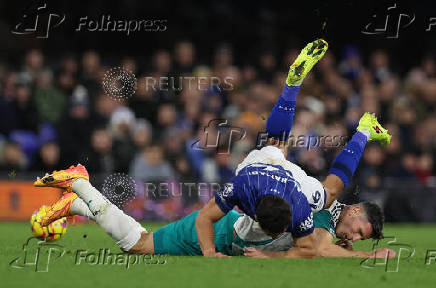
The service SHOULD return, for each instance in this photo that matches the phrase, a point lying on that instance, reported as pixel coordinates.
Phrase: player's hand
(384, 253)
(253, 252)
(214, 254)
(345, 244)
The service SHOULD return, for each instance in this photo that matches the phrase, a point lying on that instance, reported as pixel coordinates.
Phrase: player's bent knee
(144, 245)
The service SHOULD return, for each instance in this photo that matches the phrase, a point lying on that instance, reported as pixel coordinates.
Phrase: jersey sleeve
(227, 198)
(314, 192)
(305, 227)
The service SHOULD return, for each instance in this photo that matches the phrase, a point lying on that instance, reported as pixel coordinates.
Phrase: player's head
(360, 221)
(273, 214)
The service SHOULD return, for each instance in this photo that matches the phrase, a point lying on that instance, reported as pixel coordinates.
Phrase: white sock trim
(131, 239)
(366, 133)
(122, 228)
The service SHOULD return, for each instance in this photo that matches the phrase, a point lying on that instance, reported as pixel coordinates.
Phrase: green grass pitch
(202, 272)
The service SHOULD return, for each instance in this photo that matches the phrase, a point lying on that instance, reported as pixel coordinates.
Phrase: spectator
(122, 123)
(26, 117)
(184, 54)
(142, 134)
(14, 159)
(75, 128)
(150, 165)
(48, 158)
(50, 102)
(166, 132)
(166, 118)
(100, 158)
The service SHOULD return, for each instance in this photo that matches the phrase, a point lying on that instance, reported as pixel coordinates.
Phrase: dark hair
(273, 214)
(376, 217)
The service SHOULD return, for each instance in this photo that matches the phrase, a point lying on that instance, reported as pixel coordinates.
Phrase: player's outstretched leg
(176, 238)
(122, 228)
(346, 162)
(279, 123)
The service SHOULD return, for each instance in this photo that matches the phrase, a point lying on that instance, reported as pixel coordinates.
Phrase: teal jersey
(324, 219)
(328, 218)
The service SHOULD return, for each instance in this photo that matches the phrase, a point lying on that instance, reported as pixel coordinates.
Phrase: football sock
(79, 207)
(122, 228)
(347, 160)
(281, 118)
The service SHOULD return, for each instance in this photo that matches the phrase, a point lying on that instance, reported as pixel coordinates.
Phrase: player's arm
(326, 248)
(208, 215)
(220, 205)
(304, 247)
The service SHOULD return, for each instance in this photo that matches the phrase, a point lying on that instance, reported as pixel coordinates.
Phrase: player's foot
(63, 178)
(377, 132)
(59, 209)
(308, 57)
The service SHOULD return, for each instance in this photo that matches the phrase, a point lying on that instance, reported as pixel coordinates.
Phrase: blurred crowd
(54, 113)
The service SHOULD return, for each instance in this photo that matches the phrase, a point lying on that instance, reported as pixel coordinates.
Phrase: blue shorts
(180, 237)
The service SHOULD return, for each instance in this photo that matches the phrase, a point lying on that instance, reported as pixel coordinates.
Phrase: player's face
(353, 226)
